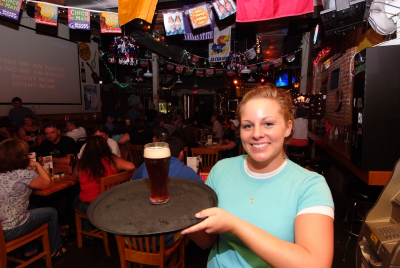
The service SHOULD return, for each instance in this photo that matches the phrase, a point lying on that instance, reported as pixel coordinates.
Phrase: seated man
(217, 130)
(176, 167)
(75, 132)
(102, 131)
(60, 147)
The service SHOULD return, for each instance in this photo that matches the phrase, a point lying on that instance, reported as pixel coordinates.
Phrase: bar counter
(341, 151)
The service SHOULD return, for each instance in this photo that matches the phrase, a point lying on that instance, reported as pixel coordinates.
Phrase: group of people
(271, 212)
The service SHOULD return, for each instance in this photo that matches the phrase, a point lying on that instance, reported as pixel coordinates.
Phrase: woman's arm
(122, 164)
(21, 133)
(42, 181)
(124, 138)
(313, 245)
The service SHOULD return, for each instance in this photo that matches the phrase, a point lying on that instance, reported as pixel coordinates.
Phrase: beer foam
(157, 152)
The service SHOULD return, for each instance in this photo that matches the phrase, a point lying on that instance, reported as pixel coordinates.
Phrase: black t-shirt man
(64, 147)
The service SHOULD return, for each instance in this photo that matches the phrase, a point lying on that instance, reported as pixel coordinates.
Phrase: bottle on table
(72, 163)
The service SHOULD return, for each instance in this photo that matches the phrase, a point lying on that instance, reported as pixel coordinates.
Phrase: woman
(119, 130)
(231, 141)
(28, 128)
(272, 212)
(139, 135)
(96, 162)
(17, 182)
(300, 129)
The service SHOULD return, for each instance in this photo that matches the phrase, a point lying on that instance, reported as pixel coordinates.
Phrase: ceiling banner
(219, 72)
(220, 48)
(200, 72)
(170, 66)
(46, 14)
(265, 65)
(209, 72)
(199, 16)
(253, 68)
(277, 62)
(173, 23)
(109, 22)
(189, 70)
(179, 69)
(204, 33)
(78, 19)
(224, 8)
(10, 8)
(129, 10)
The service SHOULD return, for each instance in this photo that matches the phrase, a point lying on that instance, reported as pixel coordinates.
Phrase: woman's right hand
(33, 164)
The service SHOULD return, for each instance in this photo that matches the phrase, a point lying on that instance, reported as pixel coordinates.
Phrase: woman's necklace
(251, 200)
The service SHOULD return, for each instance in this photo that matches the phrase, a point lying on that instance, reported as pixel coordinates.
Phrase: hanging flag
(10, 8)
(251, 53)
(129, 10)
(230, 72)
(253, 68)
(290, 58)
(170, 66)
(144, 63)
(265, 65)
(224, 8)
(189, 70)
(209, 72)
(78, 19)
(220, 48)
(179, 69)
(201, 34)
(219, 72)
(46, 14)
(109, 23)
(277, 62)
(160, 61)
(200, 72)
(199, 16)
(257, 10)
(173, 23)
(195, 59)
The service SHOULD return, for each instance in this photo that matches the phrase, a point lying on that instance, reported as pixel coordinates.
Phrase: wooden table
(341, 151)
(57, 184)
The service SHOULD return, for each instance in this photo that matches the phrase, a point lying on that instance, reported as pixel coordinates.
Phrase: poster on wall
(109, 22)
(173, 23)
(224, 8)
(203, 33)
(199, 16)
(78, 19)
(220, 48)
(90, 97)
(46, 14)
(10, 8)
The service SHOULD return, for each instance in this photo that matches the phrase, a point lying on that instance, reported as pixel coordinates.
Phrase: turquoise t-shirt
(277, 200)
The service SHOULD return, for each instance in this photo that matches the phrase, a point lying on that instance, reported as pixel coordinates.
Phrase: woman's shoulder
(229, 163)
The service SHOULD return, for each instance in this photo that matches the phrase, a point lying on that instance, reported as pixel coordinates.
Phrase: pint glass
(157, 157)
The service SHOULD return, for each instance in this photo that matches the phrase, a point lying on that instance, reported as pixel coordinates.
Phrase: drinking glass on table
(157, 157)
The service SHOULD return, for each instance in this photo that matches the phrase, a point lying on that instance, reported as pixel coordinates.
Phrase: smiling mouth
(262, 145)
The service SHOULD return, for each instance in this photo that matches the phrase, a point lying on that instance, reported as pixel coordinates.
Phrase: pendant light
(178, 81)
(148, 74)
(251, 79)
(245, 70)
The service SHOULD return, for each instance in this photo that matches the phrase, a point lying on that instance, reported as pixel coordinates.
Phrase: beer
(157, 157)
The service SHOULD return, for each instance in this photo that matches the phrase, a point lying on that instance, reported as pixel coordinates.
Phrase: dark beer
(157, 157)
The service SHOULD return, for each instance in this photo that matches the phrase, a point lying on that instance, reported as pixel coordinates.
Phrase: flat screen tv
(283, 79)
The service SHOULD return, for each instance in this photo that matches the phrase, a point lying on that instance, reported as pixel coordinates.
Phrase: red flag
(230, 73)
(170, 66)
(195, 59)
(265, 65)
(143, 63)
(179, 69)
(277, 62)
(199, 72)
(271, 9)
(209, 72)
(219, 72)
(189, 70)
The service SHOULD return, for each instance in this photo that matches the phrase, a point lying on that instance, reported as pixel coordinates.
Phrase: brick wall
(341, 57)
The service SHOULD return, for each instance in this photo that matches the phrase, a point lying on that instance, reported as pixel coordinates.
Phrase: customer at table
(231, 141)
(17, 114)
(158, 126)
(150, 115)
(28, 128)
(7, 130)
(59, 147)
(102, 131)
(300, 129)
(74, 131)
(41, 136)
(176, 166)
(271, 212)
(134, 113)
(17, 181)
(119, 130)
(96, 161)
(138, 135)
(190, 135)
(217, 130)
(168, 124)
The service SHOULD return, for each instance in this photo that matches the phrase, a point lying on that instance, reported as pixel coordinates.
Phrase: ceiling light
(148, 74)
(178, 81)
(251, 79)
(245, 70)
(195, 85)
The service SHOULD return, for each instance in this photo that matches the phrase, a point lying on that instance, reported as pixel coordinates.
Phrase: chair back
(185, 154)
(136, 154)
(140, 250)
(209, 157)
(124, 154)
(114, 180)
(79, 143)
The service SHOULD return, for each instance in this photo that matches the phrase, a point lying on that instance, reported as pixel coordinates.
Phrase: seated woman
(139, 135)
(96, 162)
(28, 128)
(300, 129)
(119, 130)
(17, 182)
(231, 140)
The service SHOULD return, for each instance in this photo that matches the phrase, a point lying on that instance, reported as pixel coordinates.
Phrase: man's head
(176, 145)
(52, 133)
(213, 119)
(152, 106)
(179, 118)
(71, 125)
(102, 131)
(17, 103)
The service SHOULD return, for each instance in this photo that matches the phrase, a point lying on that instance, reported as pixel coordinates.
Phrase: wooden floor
(93, 256)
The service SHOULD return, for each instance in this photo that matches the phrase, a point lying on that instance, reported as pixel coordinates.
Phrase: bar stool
(357, 193)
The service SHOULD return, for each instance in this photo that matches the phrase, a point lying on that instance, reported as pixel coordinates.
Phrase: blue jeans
(38, 217)
(83, 207)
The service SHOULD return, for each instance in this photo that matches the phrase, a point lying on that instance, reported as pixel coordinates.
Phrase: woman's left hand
(218, 221)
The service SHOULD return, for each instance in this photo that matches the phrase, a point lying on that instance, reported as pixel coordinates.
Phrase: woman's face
(262, 131)
(28, 122)
(128, 122)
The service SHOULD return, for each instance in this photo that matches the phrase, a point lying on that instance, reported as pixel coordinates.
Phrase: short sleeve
(314, 192)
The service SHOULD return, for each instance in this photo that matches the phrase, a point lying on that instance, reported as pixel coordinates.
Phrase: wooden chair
(105, 184)
(136, 154)
(6, 247)
(209, 157)
(140, 252)
(185, 154)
